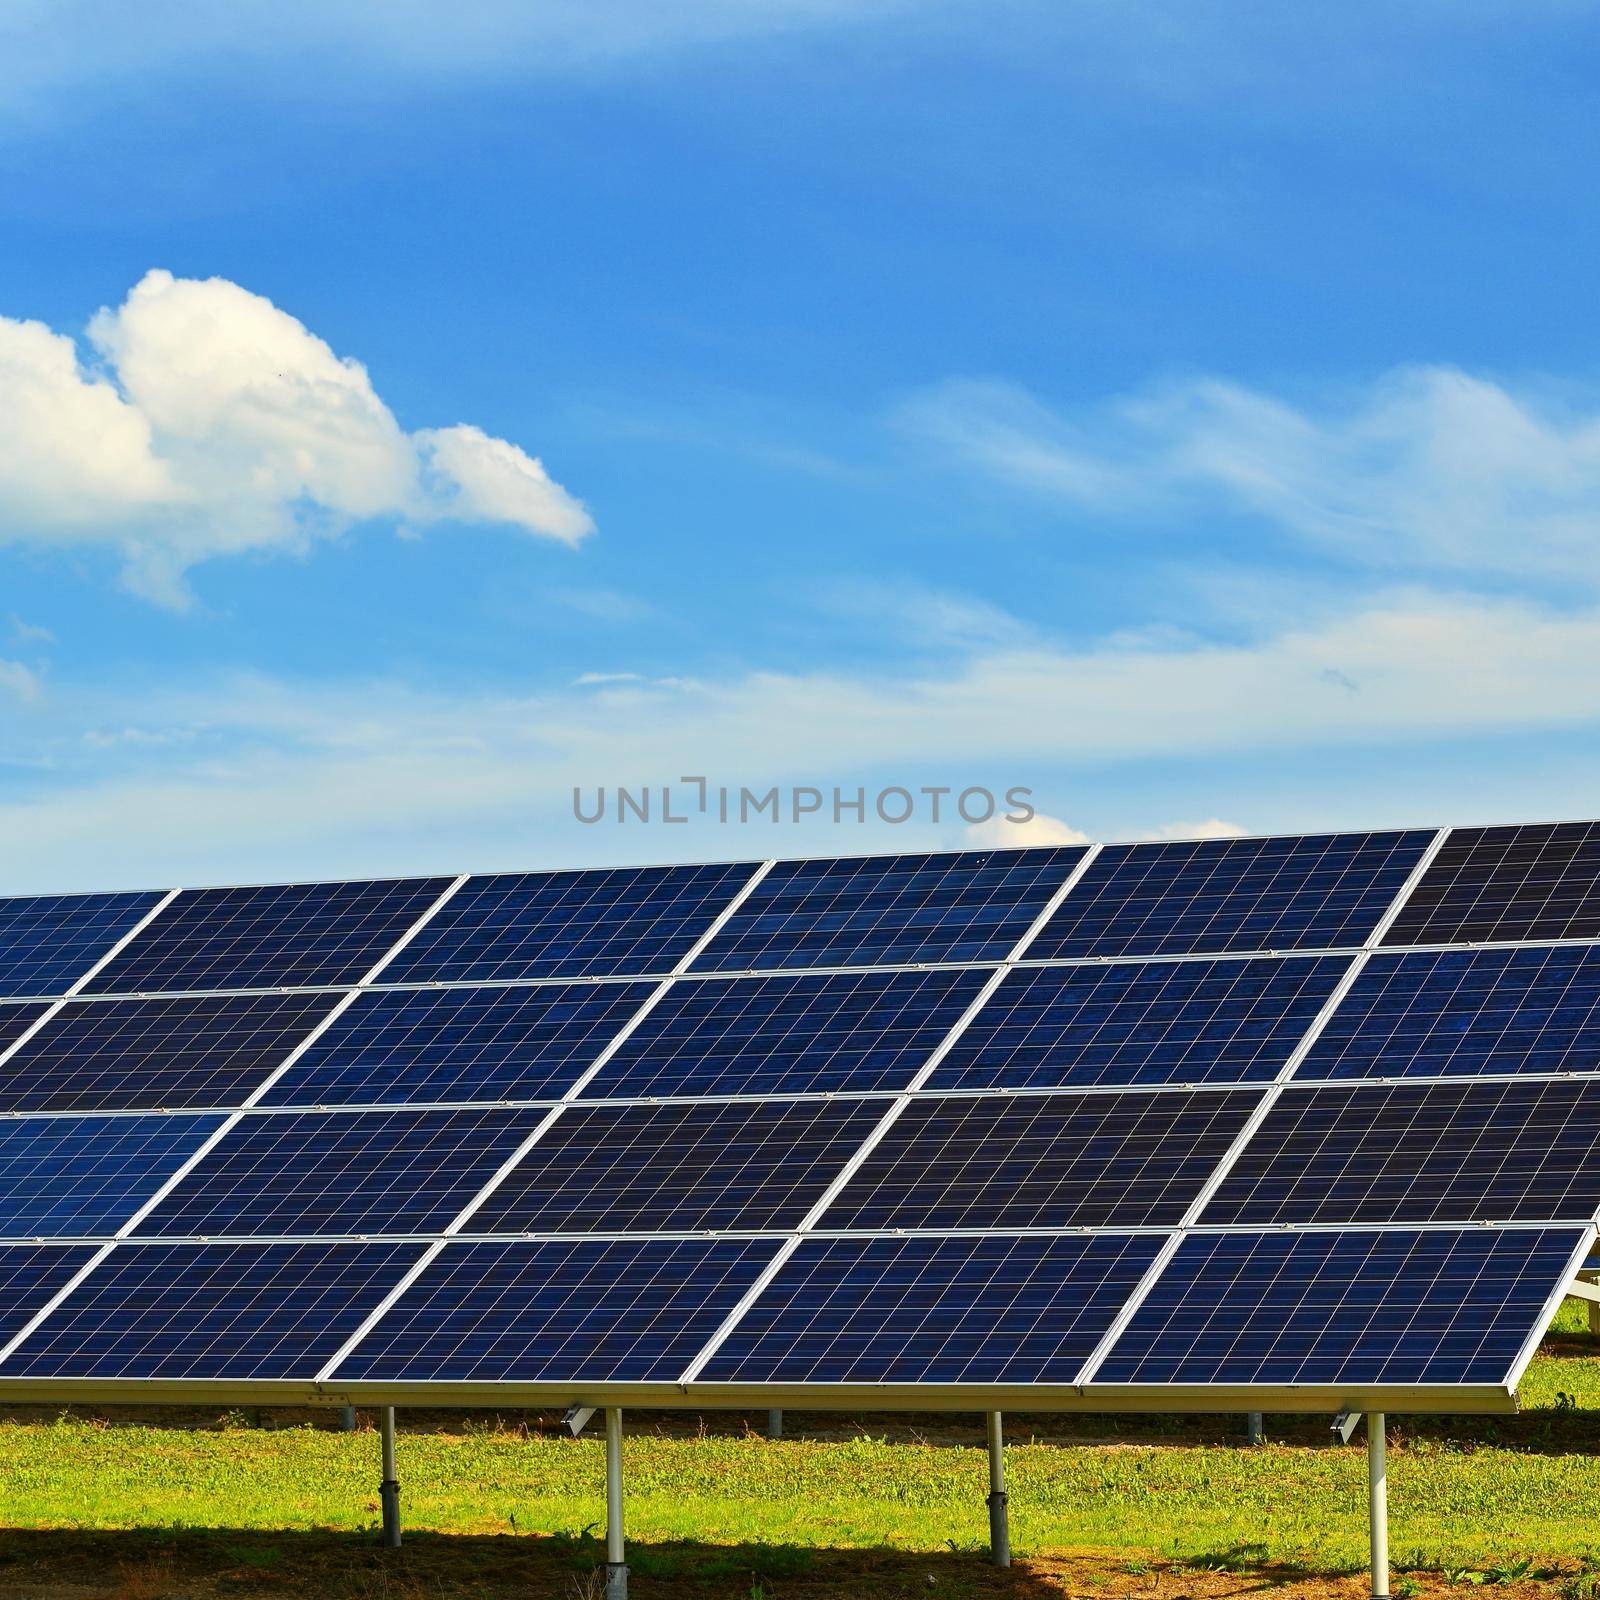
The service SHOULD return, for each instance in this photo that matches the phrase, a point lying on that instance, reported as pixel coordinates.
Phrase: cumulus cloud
(214, 423)
(1426, 466)
(997, 833)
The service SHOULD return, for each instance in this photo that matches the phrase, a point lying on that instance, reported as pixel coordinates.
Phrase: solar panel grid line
(1552, 1305)
(890, 1117)
(1230, 1158)
(210, 1143)
(507, 1167)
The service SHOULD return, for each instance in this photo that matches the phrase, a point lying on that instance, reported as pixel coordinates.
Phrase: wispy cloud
(215, 423)
(1426, 467)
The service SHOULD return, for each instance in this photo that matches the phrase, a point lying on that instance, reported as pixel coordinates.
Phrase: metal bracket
(1345, 1425)
(577, 1419)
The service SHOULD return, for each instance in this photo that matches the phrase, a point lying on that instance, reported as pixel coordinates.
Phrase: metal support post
(774, 1424)
(999, 1522)
(347, 1418)
(616, 1564)
(1378, 1505)
(1252, 1424)
(389, 1489)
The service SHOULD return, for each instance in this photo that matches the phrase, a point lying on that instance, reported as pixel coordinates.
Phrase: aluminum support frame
(616, 1559)
(999, 1516)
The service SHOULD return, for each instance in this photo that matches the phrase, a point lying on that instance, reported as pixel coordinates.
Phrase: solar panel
(1537, 882)
(139, 1055)
(1043, 1161)
(632, 1311)
(1140, 1023)
(679, 1167)
(627, 921)
(950, 1128)
(881, 910)
(809, 1033)
(274, 936)
(370, 1172)
(1403, 1307)
(48, 942)
(29, 1275)
(209, 1311)
(931, 1310)
(1500, 1151)
(1322, 891)
(489, 1043)
(1452, 1012)
(65, 1177)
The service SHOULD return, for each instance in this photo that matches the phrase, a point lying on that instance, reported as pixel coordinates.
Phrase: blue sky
(1188, 411)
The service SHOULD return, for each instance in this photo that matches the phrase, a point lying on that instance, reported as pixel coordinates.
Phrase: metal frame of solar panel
(1290, 1123)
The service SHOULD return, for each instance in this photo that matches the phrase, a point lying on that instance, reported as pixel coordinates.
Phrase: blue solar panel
(1459, 1012)
(874, 910)
(679, 1167)
(137, 1055)
(921, 1310)
(15, 1020)
(276, 936)
(1506, 1151)
(1343, 1308)
(1042, 1161)
(47, 943)
(213, 1311)
(1141, 1022)
(805, 1034)
(417, 1045)
(29, 1275)
(621, 922)
(1213, 896)
(581, 1311)
(1534, 882)
(63, 1177)
(373, 1172)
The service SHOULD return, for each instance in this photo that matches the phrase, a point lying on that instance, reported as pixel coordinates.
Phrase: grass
(1498, 1501)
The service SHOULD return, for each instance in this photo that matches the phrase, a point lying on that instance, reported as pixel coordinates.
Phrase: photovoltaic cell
(1042, 1161)
(15, 1020)
(275, 936)
(1140, 1022)
(578, 1311)
(235, 1311)
(876, 910)
(29, 1275)
(1343, 1308)
(921, 1310)
(71, 1176)
(372, 1172)
(479, 1043)
(1323, 891)
(1505, 1151)
(679, 1166)
(48, 942)
(137, 1055)
(622, 922)
(1535, 882)
(809, 1033)
(1458, 1012)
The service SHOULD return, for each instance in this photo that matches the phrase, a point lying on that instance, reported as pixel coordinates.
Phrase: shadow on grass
(177, 1564)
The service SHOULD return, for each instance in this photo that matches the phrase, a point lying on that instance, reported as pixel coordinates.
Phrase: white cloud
(220, 424)
(50, 45)
(17, 680)
(235, 777)
(997, 833)
(1427, 466)
(1211, 828)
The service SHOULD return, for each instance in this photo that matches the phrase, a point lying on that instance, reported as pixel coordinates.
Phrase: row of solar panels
(1207, 897)
(1435, 1153)
(1506, 1010)
(1451, 1308)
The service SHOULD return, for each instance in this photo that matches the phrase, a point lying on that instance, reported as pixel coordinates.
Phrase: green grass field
(1468, 1497)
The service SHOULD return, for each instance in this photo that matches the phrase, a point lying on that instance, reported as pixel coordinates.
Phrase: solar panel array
(1287, 1116)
